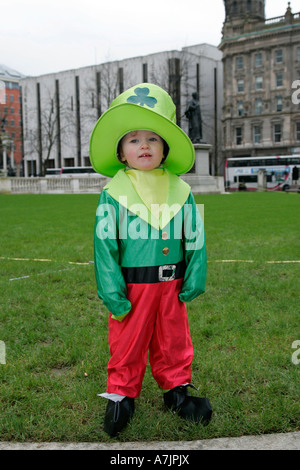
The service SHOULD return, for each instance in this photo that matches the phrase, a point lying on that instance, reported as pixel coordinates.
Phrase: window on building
(240, 86)
(121, 79)
(69, 162)
(278, 56)
(145, 73)
(174, 85)
(238, 136)
(198, 77)
(298, 74)
(258, 106)
(11, 98)
(279, 79)
(256, 134)
(240, 63)
(298, 131)
(258, 83)
(86, 161)
(77, 118)
(279, 103)
(98, 92)
(277, 133)
(298, 53)
(258, 60)
(240, 108)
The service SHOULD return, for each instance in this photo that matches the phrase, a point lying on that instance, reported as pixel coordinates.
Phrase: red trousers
(158, 324)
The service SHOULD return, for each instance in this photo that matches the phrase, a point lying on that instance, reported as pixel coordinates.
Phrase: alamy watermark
(296, 94)
(296, 354)
(187, 222)
(2, 353)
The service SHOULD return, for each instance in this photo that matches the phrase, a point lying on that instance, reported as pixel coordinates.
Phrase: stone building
(261, 65)
(60, 109)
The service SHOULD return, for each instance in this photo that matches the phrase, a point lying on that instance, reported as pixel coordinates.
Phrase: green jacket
(127, 235)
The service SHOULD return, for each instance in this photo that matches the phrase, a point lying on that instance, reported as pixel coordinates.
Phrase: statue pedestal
(202, 159)
(200, 180)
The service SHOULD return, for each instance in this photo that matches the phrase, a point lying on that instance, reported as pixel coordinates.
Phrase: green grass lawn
(55, 329)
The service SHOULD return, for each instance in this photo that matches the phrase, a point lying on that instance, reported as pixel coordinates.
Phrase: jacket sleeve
(194, 252)
(111, 286)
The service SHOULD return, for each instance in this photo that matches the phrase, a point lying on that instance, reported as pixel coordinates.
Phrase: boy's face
(142, 150)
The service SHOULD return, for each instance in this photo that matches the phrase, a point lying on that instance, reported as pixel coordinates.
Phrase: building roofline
(116, 61)
(259, 32)
(10, 75)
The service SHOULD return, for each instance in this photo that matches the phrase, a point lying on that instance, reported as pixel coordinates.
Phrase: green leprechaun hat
(142, 107)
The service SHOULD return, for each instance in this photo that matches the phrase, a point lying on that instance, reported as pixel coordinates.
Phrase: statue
(193, 113)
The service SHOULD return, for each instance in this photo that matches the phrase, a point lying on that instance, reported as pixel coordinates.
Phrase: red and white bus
(242, 173)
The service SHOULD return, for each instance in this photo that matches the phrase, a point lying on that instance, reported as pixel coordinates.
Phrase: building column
(12, 161)
(4, 159)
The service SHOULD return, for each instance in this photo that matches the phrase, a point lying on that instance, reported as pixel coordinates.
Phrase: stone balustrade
(199, 179)
(59, 185)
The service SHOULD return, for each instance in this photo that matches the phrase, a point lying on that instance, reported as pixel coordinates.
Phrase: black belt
(152, 274)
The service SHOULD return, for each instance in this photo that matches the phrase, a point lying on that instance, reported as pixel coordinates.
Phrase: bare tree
(109, 83)
(50, 130)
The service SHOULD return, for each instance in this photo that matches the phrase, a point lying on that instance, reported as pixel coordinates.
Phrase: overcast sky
(45, 36)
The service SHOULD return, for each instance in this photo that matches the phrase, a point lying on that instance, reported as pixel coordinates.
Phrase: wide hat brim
(126, 117)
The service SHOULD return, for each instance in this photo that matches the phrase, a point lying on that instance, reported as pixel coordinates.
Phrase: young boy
(150, 254)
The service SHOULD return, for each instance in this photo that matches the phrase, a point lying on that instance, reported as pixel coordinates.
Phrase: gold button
(166, 250)
(164, 236)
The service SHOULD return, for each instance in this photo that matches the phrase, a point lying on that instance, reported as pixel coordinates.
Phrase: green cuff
(119, 317)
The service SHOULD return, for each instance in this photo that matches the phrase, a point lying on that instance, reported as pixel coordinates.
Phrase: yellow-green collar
(122, 190)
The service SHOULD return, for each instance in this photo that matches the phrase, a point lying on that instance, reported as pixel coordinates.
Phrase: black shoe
(196, 409)
(118, 415)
